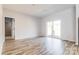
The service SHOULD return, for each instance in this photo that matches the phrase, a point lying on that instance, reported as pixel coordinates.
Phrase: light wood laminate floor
(40, 46)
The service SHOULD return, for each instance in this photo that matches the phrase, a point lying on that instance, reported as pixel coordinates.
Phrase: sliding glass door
(53, 28)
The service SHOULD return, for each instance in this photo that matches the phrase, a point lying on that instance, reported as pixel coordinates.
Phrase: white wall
(1, 29)
(77, 16)
(25, 26)
(67, 18)
(39, 23)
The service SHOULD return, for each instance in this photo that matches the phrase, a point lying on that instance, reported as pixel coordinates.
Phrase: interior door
(8, 26)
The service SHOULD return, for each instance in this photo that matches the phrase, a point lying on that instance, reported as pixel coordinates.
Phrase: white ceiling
(37, 10)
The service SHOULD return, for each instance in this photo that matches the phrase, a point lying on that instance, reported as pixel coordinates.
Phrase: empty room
(39, 29)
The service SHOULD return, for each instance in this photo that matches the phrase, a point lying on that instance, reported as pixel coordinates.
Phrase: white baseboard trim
(26, 38)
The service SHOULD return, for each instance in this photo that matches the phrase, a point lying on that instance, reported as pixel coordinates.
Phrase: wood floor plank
(40, 46)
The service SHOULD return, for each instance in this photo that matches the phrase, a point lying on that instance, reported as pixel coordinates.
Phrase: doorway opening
(9, 28)
(53, 28)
